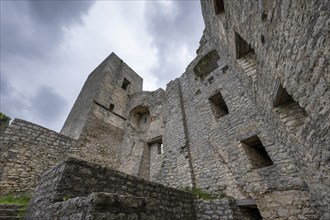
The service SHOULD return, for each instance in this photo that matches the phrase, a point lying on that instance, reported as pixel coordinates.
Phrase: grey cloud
(58, 13)
(11, 102)
(34, 28)
(170, 31)
(48, 105)
(30, 32)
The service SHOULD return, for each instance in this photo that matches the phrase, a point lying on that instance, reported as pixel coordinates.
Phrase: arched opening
(140, 118)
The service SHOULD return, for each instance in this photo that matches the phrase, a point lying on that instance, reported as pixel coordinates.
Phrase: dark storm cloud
(34, 28)
(173, 30)
(30, 32)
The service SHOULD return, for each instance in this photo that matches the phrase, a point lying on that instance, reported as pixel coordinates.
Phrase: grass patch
(199, 193)
(11, 199)
(14, 199)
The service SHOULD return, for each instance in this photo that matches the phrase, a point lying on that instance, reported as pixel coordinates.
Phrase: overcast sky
(48, 48)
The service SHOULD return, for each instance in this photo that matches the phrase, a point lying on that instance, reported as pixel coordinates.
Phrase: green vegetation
(10, 199)
(14, 199)
(4, 118)
(66, 198)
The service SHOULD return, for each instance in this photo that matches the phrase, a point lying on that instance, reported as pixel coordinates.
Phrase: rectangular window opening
(125, 84)
(256, 152)
(160, 149)
(219, 6)
(292, 115)
(218, 105)
(242, 47)
(207, 64)
(112, 106)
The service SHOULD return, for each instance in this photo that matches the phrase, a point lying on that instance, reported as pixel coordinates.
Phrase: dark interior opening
(218, 105)
(219, 6)
(262, 39)
(292, 115)
(256, 152)
(207, 64)
(125, 84)
(251, 212)
(264, 17)
(112, 106)
(282, 97)
(242, 47)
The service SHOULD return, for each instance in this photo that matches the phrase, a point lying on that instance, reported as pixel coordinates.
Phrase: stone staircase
(9, 212)
(249, 64)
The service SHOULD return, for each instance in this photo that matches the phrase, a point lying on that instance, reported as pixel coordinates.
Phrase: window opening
(219, 6)
(112, 106)
(252, 212)
(160, 149)
(242, 47)
(207, 64)
(290, 112)
(218, 105)
(125, 84)
(246, 56)
(256, 152)
(262, 39)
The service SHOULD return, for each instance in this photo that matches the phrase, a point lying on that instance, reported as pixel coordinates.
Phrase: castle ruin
(249, 119)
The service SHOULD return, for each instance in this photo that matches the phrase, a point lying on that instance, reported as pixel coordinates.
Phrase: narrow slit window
(160, 149)
(219, 6)
(112, 106)
(256, 152)
(125, 84)
(218, 105)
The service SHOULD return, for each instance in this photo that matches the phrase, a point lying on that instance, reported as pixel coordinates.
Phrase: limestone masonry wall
(26, 151)
(69, 187)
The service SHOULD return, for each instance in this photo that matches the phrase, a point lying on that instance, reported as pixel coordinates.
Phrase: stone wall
(26, 151)
(282, 34)
(77, 117)
(145, 123)
(224, 209)
(175, 169)
(70, 189)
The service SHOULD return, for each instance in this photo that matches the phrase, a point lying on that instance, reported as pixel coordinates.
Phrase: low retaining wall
(72, 187)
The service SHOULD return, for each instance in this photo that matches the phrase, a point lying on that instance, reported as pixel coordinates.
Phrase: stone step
(10, 206)
(9, 218)
(9, 212)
